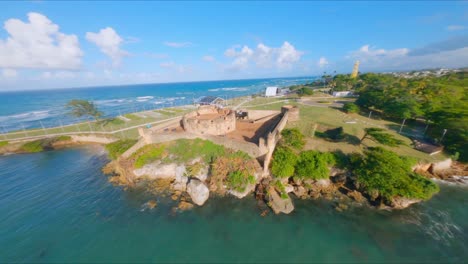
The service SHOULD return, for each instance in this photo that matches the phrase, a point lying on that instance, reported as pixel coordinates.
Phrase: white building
(342, 94)
(271, 91)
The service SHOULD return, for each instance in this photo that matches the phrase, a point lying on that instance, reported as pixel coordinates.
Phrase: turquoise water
(57, 206)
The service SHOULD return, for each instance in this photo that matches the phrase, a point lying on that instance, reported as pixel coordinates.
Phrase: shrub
(351, 108)
(305, 91)
(239, 180)
(293, 138)
(34, 146)
(284, 160)
(314, 165)
(148, 155)
(3, 143)
(117, 148)
(391, 175)
(62, 138)
(280, 187)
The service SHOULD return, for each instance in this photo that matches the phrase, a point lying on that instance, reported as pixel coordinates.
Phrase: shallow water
(58, 206)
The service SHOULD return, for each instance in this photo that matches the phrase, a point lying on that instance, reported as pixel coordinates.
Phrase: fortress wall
(223, 121)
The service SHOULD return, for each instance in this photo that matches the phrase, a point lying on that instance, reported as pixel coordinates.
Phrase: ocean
(34, 109)
(57, 206)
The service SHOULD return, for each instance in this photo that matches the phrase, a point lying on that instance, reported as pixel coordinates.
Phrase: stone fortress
(255, 132)
(210, 120)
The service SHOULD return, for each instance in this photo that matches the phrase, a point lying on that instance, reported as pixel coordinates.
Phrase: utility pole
(370, 114)
(24, 130)
(402, 124)
(61, 125)
(443, 135)
(45, 133)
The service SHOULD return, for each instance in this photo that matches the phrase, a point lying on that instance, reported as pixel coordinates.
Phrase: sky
(73, 44)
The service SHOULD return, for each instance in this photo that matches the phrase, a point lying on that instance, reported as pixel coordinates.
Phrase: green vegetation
(184, 150)
(441, 101)
(281, 189)
(304, 91)
(35, 146)
(284, 162)
(379, 136)
(116, 149)
(62, 138)
(3, 143)
(390, 175)
(80, 108)
(148, 154)
(238, 180)
(292, 137)
(351, 108)
(314, 165)
(133, 117)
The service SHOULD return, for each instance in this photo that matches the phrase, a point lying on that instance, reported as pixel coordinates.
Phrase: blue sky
(69, 44)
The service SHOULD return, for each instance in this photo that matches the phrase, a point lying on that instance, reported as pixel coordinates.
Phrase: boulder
(357, 196)
(198, 191)
(421, 167)
(203, 174)
(339, 178)
(250, 188)
(185, 206)
(288, 188)
(440, 166)
(157, 171)
(402, 202)
(300, 191)
(180, 181)
(279, 204)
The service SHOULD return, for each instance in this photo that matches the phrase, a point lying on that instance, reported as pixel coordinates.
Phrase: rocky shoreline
(195, 189)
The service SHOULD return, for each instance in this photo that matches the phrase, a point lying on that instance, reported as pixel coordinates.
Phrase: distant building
(342, 94)
(271, 91)
(211, 100)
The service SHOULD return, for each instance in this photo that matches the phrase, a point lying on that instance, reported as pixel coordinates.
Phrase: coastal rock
(250, 188)
(203, 174)
(151, 204)
(198, 191)
(440, 166)
(422, 167)
(180, 182)
(357, 196)
(300, 191)
(279, 204)
(339, 178)
(402, 202)
(288, 188)
(184, 206)
(157, 171)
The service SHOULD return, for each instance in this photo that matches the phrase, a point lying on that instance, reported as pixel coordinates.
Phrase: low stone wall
(92, 139)
(267, 144)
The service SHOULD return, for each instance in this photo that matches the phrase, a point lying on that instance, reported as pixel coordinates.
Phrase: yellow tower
(355, 70)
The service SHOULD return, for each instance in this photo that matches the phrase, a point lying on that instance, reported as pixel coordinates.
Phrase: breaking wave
(232, 89)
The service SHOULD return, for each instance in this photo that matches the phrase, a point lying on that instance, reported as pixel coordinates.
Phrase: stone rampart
(210, 120)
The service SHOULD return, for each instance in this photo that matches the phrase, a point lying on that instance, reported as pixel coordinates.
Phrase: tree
(390, 175)
(351, 108)
(377, 135)
(80, 108)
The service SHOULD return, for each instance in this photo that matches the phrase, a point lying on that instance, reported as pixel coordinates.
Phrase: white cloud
(9, 73)
(403, 58)
(38, 44)
(156, 55)
(48, 75)
(263, 56)
(322, 62)
(178, 44)
(177, 67)
(455, 27)
(208, 58)
(108, 42)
